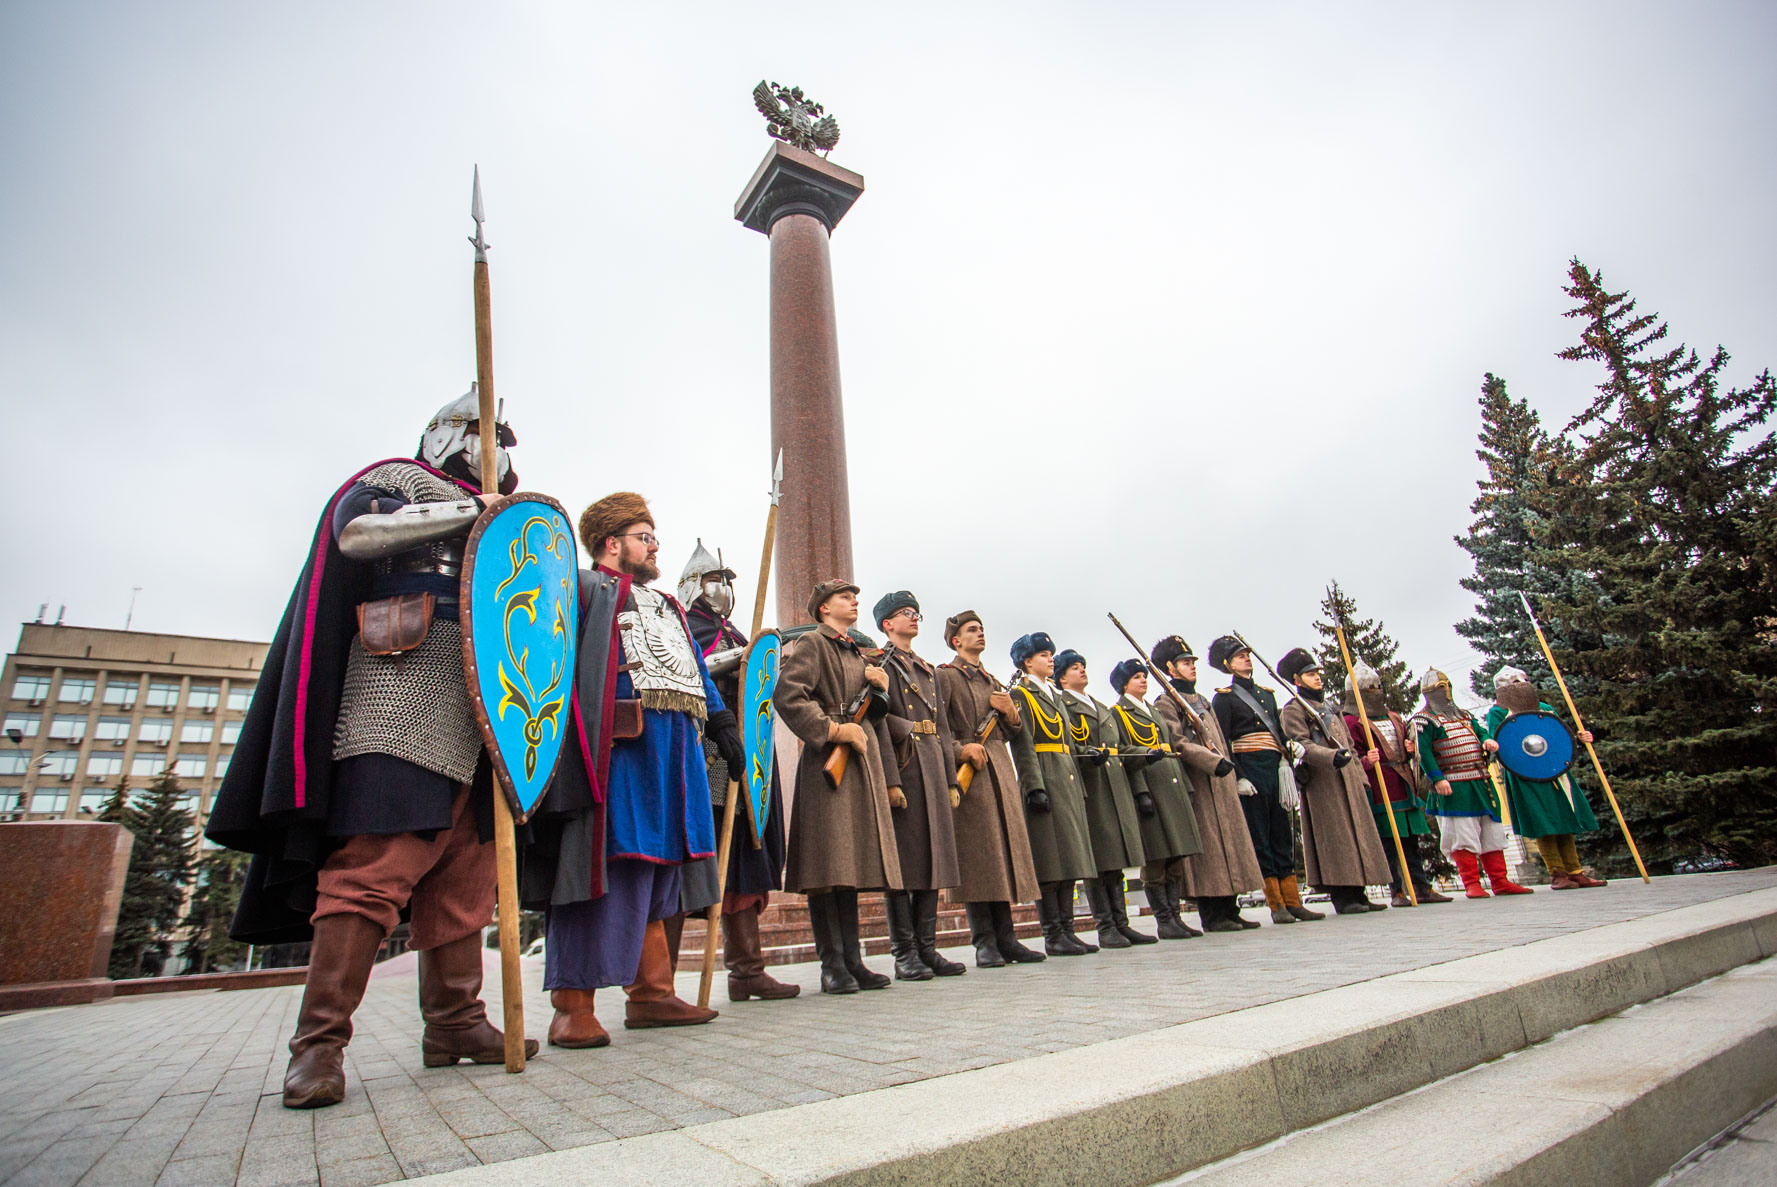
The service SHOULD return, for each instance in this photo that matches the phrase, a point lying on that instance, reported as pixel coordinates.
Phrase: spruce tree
(1368, 642)
(160, 870)
(1666, 506)
(220, 875)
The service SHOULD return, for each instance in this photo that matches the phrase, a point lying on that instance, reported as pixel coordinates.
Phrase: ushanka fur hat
(609, 516)
(1031, 644)
(1124, 672)
(1066, 660)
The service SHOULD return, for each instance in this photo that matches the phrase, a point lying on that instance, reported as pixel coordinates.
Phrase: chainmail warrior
(1548, 812)
(1393, 777)
(1453, 750)
(359, 783)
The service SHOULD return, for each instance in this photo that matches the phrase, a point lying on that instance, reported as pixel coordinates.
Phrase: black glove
(1036, 800)
(1341, 758)
(1097, 758)
(725, 732)
(1225, 767)
(1144, 806)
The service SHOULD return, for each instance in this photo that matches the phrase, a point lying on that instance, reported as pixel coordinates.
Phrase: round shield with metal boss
(1535, 746)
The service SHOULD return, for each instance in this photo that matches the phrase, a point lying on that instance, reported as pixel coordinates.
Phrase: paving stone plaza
(184, 1088)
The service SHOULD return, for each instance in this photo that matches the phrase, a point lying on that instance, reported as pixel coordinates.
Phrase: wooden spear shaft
(505, 841)
(1394, 828)
(1580, 727)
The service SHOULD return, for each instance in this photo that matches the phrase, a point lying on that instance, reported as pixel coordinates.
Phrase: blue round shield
(520, 609)
(1535, 746)
(758, 682)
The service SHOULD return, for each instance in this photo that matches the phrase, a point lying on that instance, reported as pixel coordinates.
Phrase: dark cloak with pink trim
(273, 801)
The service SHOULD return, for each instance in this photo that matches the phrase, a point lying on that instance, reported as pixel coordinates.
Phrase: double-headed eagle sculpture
(794, 119)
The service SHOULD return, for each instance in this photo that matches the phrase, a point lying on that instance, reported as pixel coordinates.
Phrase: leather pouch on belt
(626, 717)
(391, 626)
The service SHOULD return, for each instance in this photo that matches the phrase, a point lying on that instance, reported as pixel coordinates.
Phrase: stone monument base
(58, 910)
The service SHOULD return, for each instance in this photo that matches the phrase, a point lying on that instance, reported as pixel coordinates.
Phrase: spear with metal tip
(1580, 727)
(505, 844)
(1363, 714)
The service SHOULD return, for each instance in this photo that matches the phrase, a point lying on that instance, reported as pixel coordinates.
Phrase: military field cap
(956, 622)
(1124, 672)
(1295, 661)
(825, 590)
(892, 603)
(1168, 649)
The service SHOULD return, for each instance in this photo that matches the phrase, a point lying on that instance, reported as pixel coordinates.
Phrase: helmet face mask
(718, 591)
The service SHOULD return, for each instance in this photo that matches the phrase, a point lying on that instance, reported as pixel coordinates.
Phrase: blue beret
(1029, 645)
(1124, 672)
(1066, 660)
(892, 603)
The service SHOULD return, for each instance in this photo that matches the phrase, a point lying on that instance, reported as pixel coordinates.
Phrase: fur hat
(1029, 645)
(1066, 660)
(1168, 649)
(892, 603)
(609, 516)
(1224, 649)
(956, 622)
(1295, 661)
(1124, 672)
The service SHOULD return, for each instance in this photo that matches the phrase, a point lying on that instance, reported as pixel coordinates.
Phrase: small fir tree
(221, 873)
(160, 870)
(1368, 642)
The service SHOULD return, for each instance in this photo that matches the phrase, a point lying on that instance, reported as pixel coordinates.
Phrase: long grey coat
(1172, 831)
(925, 835)
(992, 845)
(838, 836)
(1227, 864)
(1060, 844)
(1111, 819)
(1339, 839)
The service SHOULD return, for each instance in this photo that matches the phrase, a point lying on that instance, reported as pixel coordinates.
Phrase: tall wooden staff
(1394, 829)
(505, 846)
(715, 913)
(1580, 727)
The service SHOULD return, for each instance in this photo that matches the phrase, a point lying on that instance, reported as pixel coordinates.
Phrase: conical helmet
(701, 565)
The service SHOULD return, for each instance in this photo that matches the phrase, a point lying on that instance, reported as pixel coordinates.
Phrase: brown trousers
(448, 880)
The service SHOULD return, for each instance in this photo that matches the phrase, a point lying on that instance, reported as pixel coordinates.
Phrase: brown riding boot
(675, 932)
(340, 959)
(574, 1024)
(450, 1002)
(745, 958)
(651, 998)
(1292, 900)
(1274, 900)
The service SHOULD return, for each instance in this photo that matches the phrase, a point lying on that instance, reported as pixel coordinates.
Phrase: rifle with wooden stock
(1160, 679)
(965, 773)
(855, 712)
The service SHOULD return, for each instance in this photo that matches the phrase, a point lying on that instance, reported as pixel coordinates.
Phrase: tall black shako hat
(1224, 649)
(1124, 672)
(892, 603)
(1028, 645)
(1066, 660)
(1295, 661)
(1168, 649)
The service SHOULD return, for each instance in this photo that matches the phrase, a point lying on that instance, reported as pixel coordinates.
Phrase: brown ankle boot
(651, 998)
(745, 958)
(450, 1002)
(340, 959)
(1274, 900)
(574, 1024)
(1292, 900)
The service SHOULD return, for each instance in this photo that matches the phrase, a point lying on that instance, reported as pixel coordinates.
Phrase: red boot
(1470, 871)
(1494, 862)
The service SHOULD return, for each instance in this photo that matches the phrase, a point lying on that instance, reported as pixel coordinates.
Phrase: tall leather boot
(575, 1025)
(1274, 900)
(340, 959)
(450, 1002)
(675, 932)
(981, 934)
(652, 1001)
(925, 933)
(1064, 910)
(745, 958)
(852, 944)
(1178, 910)
(829, 943)
(1468, 867)
(1168, 926)
(1119, 903)
(1494, 862)
(1108, 935)
(1046, 915)
(903, 942)
(1348, 900)
(1292, 900)
(1005, 934)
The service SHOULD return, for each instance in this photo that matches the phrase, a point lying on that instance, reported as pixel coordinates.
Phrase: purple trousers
(598, 944)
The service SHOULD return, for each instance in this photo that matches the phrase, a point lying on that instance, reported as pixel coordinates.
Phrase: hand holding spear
(1394, 829)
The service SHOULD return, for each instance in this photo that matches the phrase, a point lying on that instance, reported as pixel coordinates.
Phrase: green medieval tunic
(1172, 831)
(1111, 818)
(1060, 840)
(1553, 809)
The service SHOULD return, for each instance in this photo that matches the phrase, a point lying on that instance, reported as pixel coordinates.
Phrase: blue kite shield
(1535, 746)
(520, 613)
(758, 681)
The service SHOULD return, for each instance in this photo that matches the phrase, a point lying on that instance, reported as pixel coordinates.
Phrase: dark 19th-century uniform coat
(1227, 864)
(992, 844)
(1111, 818)
(1060, 844)
(925, 835)
(1339, 838)
(1172, 830)
(839, 837)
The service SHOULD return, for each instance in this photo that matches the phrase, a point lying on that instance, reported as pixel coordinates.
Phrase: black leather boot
(1119, 902)
(1178, 911)
(981, 934)
(925, 934)
(903, 941)
(1165, 922)
(1005, 934)
(823, 921)
(853, 945)
(1064, 910)
(1108, 935)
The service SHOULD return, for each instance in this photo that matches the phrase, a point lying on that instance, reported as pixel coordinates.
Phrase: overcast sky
(1174, 309)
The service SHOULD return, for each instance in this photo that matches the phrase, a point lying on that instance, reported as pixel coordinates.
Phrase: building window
(9, 799)
(147, 766)
(204, 698)
(27, 724)
(191, 766)
(120, 695)
(189, 802)
(14, 762)
(92, 800)
(239, 697)
(68, 727)
(50, 801)
(30, 687)
(231, 732)
(58, 763)
(196, 731)
(156, 729)
(162, 695)
(78, 688)
(222, 764)
(104, 766)
(112, 729)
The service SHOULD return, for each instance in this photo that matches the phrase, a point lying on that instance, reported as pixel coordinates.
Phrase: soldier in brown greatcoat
(841, 838)
(1227, 867)
(926, 758)
(992, 845)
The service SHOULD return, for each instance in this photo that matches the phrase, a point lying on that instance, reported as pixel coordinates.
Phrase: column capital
(791, 181)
